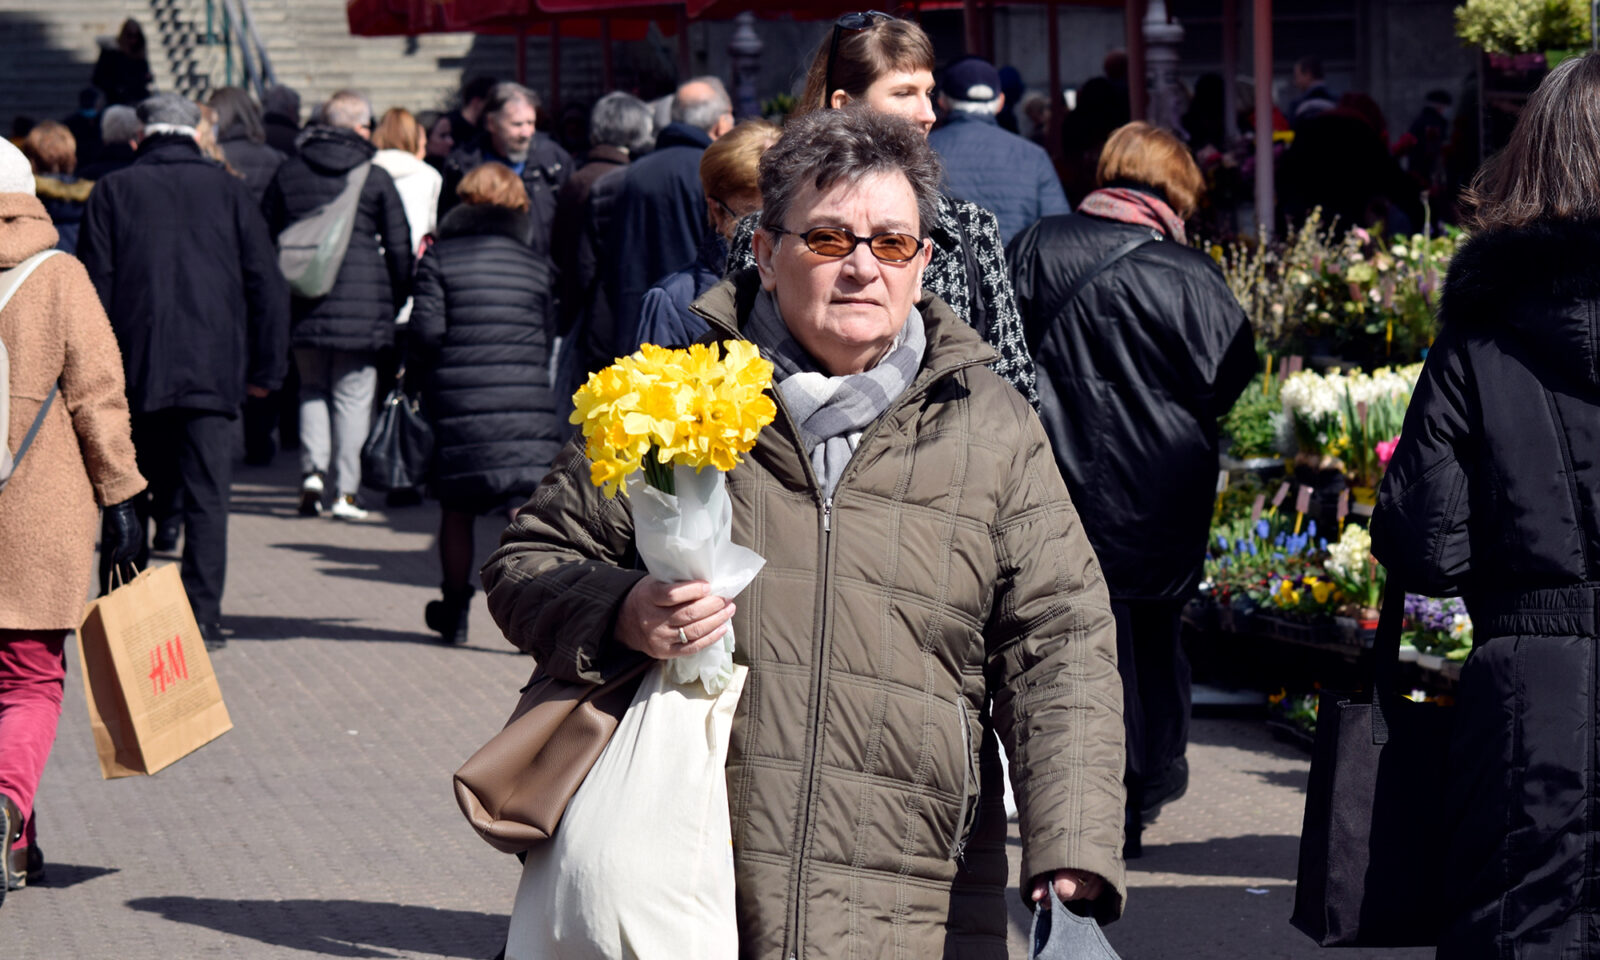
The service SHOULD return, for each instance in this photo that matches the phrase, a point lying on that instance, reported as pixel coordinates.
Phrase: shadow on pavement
(58, 876)
(1293, 779)
(246, 628)
(340, 928)
(411, 567)
(1265, 856)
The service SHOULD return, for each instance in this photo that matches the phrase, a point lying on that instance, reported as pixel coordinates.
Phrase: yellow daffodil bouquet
(652, 423)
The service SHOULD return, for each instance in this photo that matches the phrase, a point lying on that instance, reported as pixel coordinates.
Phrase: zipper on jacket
(819, 686)
(970, 779)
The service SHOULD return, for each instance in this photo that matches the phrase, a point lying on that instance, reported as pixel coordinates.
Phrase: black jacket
(1133, 375)
(256, 162)
(282, 133)
(574, 249)
(1494, 493)
(479, 346)
(659, 219)
(375, 278)
(123, 79)
(189, 275)
(543, 175)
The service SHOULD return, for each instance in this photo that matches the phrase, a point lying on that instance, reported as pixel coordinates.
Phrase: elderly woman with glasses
(922, 557)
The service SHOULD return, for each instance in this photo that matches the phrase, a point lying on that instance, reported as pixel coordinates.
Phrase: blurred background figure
(53, 155)
(729, 175)
(280, 116)
(85, 124)
(243, 138)
(123, 71)
(120, 131)
(479, 347)
(440, 140)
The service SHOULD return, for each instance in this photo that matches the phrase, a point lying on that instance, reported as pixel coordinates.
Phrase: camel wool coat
(55, 329)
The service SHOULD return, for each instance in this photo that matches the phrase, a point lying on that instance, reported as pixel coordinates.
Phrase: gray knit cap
(16, 173)
(169, 109)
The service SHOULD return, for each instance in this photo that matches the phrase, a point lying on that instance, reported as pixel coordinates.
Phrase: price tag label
(1302, 499)
(1277, 498)
(1257, 507)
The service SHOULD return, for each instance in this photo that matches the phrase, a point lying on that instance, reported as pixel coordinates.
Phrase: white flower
(1347, 559)
(1461, 628)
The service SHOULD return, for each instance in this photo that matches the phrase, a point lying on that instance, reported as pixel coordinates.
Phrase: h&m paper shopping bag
(153, 698)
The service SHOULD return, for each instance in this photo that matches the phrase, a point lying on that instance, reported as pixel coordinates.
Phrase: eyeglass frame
(855, 241)
(853, 23)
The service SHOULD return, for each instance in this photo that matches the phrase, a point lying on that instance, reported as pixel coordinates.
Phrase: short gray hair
(622, 120)
(825, 147)
(502, 94)
(119, 124)
(978, 108)
(347, 110)
(702, 114)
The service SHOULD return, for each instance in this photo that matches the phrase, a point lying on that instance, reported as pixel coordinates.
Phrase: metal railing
(234, 28)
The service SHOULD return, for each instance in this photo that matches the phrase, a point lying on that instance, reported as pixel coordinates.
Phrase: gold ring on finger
(683, 638)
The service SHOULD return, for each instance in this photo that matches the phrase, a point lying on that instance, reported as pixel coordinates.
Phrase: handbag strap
(1386, 656)
(1121, 251)
(10, 282)
(33, 431)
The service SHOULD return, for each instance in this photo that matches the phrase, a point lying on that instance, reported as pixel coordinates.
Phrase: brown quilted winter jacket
(949, 568)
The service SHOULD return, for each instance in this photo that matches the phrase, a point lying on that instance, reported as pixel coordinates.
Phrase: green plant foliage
(1523, 26)
(1253, 422)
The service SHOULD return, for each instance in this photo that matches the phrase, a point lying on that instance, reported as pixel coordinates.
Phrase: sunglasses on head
(837, 242)
(849, 23)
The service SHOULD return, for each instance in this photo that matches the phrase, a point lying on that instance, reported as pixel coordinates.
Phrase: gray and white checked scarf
(832, 412)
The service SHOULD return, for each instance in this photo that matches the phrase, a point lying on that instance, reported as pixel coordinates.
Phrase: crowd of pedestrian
(1003, 373)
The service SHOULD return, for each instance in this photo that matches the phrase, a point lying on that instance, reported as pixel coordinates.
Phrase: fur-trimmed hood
(1541, 281)
(480, 219)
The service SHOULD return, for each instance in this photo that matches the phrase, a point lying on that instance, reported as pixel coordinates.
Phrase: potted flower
(1360, 577)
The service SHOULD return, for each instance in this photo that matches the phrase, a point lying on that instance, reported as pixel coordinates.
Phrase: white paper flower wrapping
(690, 537)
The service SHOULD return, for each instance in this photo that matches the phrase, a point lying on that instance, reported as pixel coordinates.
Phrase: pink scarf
(1126, 205)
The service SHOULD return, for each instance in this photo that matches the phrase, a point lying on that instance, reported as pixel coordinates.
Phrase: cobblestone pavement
(323, 823)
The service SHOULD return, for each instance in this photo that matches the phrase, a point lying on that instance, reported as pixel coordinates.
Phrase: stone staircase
(47, 53)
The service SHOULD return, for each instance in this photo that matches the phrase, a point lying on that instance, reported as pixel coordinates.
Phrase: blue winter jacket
(1006, 174)
(664, 316)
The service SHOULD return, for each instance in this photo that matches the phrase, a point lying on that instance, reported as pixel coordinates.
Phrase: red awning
(387, 18)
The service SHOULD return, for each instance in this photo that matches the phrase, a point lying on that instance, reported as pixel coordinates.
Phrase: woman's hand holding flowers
(656, 617)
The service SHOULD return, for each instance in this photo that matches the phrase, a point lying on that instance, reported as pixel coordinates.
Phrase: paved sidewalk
(323, 823)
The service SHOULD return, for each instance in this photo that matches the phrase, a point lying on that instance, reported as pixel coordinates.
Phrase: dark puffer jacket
(1494, 493)
(375, 278)
(481, 327)
(1133, 374)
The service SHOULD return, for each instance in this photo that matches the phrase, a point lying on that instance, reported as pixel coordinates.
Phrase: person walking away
(337, 337)
(620, 128)
(194, 340)
(56, 338)
(882, 63)
(511, 138)
(729, 175)
(243, 138)
(1493, 494)
(120, 131)
(49, 147)
(1314, 96)
(973, 147)
(1136, 365)
(280, 117)
(85, 124)
(402, 144)
(481, 332)
(123, 71)
(660, 213)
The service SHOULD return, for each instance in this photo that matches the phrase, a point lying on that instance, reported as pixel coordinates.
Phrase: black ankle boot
(1132, 833)
(448, 617)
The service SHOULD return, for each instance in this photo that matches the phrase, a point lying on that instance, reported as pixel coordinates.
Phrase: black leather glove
(124, 535)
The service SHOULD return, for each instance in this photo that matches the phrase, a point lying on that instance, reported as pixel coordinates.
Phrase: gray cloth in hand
(1061, 934)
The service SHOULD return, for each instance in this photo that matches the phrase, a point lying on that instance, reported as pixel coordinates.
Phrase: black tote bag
(399, 446)
(1372, 847)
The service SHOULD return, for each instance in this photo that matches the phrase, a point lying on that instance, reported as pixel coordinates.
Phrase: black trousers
(190, 451)
(1156, 693)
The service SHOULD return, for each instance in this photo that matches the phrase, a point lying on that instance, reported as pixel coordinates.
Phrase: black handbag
(1372, 847)
(399, 446)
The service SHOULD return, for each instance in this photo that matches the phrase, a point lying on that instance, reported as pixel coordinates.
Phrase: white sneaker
(311, 495)
(344, 508)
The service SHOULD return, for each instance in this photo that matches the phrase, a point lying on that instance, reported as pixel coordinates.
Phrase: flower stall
(1290, 593)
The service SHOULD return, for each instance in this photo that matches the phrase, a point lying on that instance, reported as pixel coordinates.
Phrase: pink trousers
(32, 671)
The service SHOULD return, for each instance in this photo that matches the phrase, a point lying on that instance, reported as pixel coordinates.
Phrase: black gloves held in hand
(123, 533)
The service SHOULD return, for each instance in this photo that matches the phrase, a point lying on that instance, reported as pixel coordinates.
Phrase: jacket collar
(25, 229)
(170, 148)
(334, 149)
(475, 220)
(682, 135)
(606, 153)
(961, 116)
